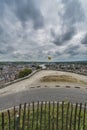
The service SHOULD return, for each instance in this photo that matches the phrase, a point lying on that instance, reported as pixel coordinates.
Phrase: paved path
(44, 94)
(21, 92)
(35, 81)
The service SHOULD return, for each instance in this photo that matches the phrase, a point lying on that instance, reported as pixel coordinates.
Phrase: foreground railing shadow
(45, 116)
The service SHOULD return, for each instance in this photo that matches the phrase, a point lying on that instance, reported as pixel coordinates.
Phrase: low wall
(20, 79)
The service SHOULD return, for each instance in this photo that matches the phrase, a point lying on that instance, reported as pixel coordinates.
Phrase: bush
(24, 73)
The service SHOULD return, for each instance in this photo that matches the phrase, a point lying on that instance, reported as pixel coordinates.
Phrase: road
(44, 94)
(32, 90)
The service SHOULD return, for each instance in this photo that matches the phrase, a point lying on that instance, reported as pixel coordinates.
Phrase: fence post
(79, 116)
(67, 114)
(62, 114)
(17, 122)
(84, 116)
(32, 115)
(75, 116)
(53, 117)
(19, 115)
(14, 117)
(71, 116)
(2, 121)
(45, 116)
(28, 116)
(9, 118)
(49, 115)
(57, 124)
(37, 115)
(24, 114)
(41, 116)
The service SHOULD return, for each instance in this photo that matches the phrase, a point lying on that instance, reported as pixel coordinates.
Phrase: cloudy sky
(32, 30)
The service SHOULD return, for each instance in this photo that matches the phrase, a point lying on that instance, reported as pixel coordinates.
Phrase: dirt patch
(61, 78)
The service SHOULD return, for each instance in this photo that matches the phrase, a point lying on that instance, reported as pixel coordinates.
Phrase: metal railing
(45, 116)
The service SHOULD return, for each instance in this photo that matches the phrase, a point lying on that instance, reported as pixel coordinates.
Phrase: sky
(32, 30)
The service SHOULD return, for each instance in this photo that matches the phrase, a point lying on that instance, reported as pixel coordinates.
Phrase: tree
(24, 72)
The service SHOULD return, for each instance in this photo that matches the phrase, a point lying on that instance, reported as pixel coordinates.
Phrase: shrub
(24, 72)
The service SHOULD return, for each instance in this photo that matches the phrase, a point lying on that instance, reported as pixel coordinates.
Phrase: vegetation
(46, 116)
(62, 78)
(24, 72)
(38, 67)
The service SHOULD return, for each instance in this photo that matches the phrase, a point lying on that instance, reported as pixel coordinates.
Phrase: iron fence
(45, 116)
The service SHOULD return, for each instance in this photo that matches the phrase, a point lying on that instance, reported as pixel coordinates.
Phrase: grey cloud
(1, 30)
(72, 50)
(84, 40)
(73, 14)
(65, 36)
(6, 50)
(26, 10)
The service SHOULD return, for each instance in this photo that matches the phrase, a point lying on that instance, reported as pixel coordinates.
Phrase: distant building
(43, 66)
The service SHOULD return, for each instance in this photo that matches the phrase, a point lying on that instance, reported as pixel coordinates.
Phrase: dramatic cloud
(71, 14)
(26, 11)
(66, 36)
(72, 50)
(84, 40)
(35, 29)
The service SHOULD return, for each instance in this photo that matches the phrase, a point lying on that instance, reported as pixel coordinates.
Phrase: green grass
(47, 117)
